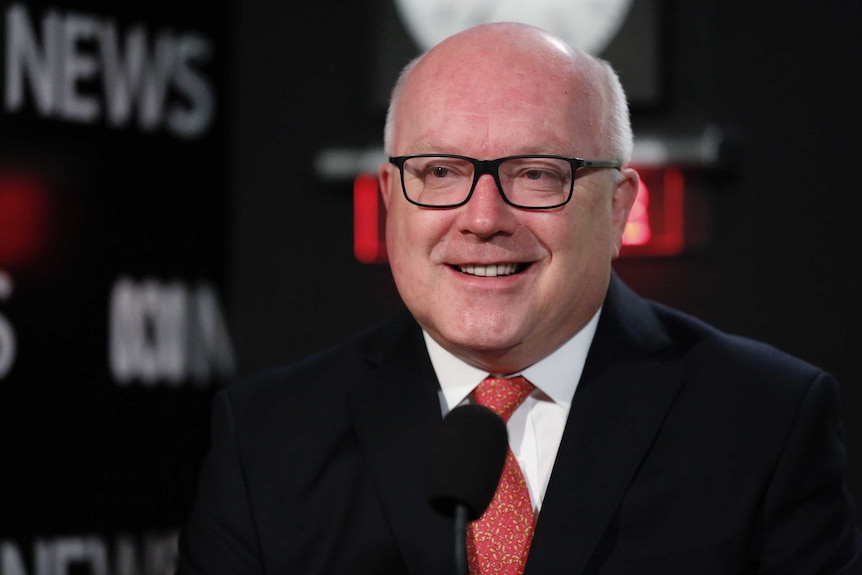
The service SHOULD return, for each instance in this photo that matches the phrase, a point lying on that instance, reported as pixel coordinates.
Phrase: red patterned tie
(498, 542)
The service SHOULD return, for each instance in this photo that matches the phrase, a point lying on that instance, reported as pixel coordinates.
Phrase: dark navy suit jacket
(686, 451)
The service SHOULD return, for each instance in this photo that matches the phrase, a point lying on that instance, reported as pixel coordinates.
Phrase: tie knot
(502, 395)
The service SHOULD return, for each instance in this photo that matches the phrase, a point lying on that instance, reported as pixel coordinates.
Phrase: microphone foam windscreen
(466, 460)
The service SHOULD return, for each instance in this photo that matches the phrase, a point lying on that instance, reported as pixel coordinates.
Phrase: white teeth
(490, 271)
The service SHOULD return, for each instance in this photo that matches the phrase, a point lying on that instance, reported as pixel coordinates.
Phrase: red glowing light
(656, 225)
(24, 220)
(368, 237)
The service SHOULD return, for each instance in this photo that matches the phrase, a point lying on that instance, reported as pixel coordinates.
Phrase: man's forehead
(534, 113)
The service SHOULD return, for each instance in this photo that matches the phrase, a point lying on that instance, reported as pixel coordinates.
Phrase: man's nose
(487, 213)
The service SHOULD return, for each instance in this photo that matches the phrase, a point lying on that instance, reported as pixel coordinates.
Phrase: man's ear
(384, 181)
(625, 192)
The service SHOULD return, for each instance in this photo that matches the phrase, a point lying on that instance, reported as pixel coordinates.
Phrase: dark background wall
(782, 260)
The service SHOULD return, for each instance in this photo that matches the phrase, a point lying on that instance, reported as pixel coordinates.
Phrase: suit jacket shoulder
(691, 450)
(318, 467)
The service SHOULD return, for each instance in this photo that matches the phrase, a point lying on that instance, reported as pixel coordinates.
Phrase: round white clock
(587, 24)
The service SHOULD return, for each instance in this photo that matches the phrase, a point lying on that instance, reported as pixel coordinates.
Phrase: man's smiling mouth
(491, 270)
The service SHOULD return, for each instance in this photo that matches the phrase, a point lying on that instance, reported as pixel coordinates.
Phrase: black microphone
(464, 468)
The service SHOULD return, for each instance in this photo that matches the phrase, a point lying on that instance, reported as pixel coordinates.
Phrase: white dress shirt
(536, 427)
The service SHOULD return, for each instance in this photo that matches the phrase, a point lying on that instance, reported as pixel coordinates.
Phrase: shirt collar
(556, 375)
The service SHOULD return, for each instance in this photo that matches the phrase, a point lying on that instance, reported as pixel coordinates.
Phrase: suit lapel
(395, 411)
(624, 394)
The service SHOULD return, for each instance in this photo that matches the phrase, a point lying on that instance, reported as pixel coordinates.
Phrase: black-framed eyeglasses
(539, 182)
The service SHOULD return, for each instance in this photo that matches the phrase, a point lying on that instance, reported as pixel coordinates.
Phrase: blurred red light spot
(24, 220)
(368, 236)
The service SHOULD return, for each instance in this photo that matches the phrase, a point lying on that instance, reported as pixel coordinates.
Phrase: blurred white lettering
(153, 554)
(7, 334)
(84, 69)
(167, 332)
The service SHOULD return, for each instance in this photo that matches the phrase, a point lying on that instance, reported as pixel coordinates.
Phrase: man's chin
(485, 348)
